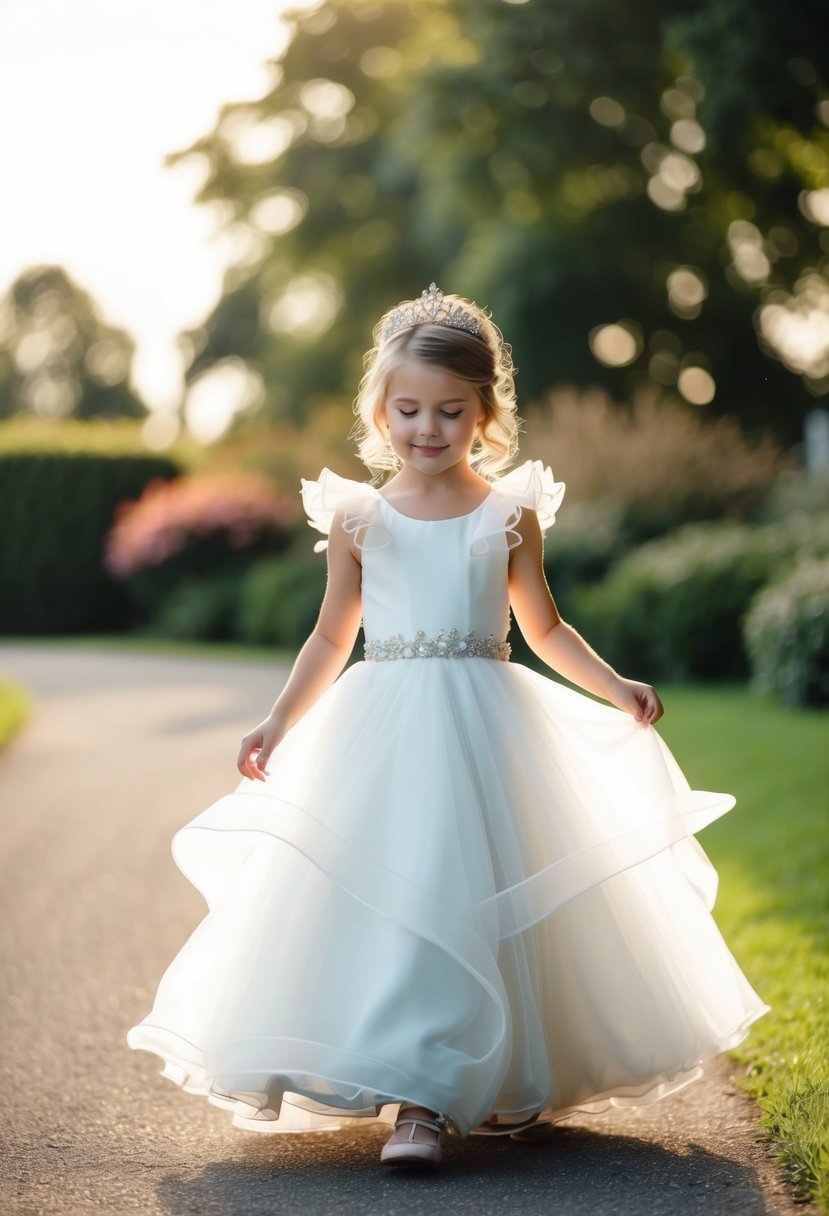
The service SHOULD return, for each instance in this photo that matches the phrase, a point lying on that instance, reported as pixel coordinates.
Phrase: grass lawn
(147, 643)
(772, 853)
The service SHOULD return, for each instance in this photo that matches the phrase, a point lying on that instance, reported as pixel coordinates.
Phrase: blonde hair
(484, 360)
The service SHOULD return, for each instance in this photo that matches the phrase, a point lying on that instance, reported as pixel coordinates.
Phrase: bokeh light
(815, 205)
(687, 288)
(381, 62)
(796, 326)
(230, 387)
(306, 308)
(696, 385)
(260, 142)
(746, 244)
(607, 111)
(279, 211)
(616, 345)
(688, 136)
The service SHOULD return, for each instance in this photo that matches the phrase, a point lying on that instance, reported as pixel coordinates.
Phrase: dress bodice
(434, 576)
(427, 580)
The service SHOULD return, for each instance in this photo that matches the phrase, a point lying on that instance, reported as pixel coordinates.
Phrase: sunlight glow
(94, 94)
(230, 387)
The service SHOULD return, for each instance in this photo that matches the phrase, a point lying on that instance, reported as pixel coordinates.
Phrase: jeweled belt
(449, 644)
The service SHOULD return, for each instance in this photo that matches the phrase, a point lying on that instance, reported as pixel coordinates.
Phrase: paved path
(121, 750)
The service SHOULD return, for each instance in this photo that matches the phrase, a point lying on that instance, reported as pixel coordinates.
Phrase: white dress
(462, 884)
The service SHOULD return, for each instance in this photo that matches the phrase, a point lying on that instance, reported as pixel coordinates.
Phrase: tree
(638, 192)
(58, 358)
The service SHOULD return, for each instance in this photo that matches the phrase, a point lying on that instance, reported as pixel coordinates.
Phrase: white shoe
(411, 1151)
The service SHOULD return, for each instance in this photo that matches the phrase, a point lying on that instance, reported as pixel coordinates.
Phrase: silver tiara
(431, 308)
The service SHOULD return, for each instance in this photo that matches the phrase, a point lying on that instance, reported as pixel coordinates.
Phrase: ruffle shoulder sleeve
(531, 486)
(359, 503)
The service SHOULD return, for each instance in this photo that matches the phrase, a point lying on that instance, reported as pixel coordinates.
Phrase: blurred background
(209, 203)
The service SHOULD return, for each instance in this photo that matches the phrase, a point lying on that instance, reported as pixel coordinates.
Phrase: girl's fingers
(246, 764)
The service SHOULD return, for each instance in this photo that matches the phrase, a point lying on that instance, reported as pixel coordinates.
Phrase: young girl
(446, 888)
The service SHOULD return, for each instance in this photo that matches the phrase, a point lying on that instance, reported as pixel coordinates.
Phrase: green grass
(14, 709)
(772, 854)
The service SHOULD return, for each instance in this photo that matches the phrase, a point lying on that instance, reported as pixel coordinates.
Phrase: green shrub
(787, 636)
(581, 548)
(280, 601)
(200, 609)
(796, 492)
(57, 505)
(673, 608)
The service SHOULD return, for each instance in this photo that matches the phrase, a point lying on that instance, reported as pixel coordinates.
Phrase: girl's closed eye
(446, 413)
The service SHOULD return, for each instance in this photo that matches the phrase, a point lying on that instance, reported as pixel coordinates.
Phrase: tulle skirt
(462, 885)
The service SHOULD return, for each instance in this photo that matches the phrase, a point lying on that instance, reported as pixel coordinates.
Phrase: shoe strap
(434, 1125)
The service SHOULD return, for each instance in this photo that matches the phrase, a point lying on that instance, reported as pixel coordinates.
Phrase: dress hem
(263, 1119)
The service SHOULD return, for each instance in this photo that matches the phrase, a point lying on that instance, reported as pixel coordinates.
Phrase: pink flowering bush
(193, 530)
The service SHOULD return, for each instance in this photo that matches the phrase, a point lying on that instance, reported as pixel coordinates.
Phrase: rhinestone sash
(445, 645)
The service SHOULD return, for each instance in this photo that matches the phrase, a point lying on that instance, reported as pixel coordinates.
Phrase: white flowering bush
(787, 636)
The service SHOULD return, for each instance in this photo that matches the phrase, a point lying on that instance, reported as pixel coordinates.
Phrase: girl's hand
(637, 699)
(261, 741)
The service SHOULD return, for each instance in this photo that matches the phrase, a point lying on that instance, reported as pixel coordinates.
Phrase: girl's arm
(556, 642)
(320, 660)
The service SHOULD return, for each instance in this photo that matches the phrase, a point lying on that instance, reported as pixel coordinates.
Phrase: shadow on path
(578, 1173)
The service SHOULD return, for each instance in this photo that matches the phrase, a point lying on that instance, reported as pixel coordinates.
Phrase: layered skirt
(462, 885)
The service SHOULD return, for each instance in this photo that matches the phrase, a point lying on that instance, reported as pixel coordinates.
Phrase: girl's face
(431, 415)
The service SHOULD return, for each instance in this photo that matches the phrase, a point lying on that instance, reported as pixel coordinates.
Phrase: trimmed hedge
(673, 609)
(787, 636)
(57, 506)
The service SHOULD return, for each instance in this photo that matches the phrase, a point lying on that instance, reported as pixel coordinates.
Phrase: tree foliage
(58, 358)
(638, 192)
